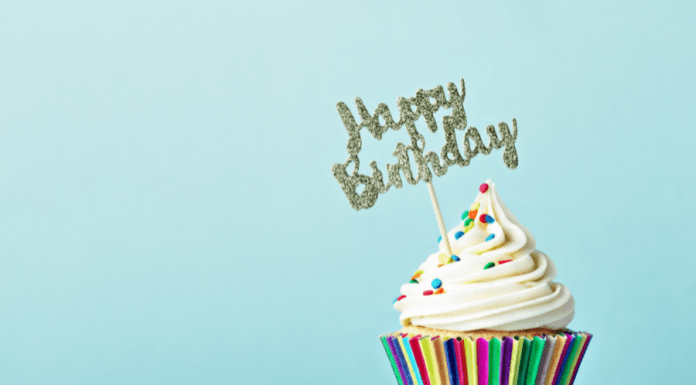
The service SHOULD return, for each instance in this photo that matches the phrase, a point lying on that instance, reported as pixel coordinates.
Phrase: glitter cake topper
(427, 163)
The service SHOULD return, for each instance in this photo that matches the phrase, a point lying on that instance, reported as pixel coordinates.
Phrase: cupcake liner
(438, 360)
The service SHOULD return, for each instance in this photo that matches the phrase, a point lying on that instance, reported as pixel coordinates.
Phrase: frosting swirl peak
(495, 279)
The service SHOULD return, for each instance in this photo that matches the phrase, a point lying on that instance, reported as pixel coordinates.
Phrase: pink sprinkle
(428, 292)
(504, 261)
(483, 188)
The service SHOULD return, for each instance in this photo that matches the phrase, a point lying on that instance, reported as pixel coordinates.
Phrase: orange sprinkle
(472, 214)
(439, 291)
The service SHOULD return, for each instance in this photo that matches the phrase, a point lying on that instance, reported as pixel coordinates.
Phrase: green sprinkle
(413, 281)
(489, 265)
(465, 215)
(467, 221)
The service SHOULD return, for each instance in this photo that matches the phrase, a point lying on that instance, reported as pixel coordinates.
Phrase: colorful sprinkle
(467, 221)
(439, 239)
(456, 258)
(439, 291)
(483, 218)
(504, 261)
(471, 226)
(472, 214)
(399, 298)
(489, 265)
(442, 258)
(490, 237)
(428, 292)
(475, 206)
(465, 215)
(483, 188)
(436, 283)
(458, 234)
(417, 274)
(413, 281)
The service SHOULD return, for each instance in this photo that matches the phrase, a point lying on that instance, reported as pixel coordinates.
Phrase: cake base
(483, 333)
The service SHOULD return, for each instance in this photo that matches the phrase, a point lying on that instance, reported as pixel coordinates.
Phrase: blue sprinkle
(489, 219)
(455, 258)
(436, 283)
(439, 239)
(458, 234)
(490, 237)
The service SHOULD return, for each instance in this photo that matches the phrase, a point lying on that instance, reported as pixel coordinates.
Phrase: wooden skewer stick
(438, 216)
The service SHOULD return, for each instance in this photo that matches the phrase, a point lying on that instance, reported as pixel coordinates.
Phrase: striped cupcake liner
(544, 360)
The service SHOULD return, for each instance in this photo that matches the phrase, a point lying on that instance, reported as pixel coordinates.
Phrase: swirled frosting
(495, 278)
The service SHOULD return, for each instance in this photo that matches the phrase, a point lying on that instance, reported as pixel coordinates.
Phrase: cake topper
(426, 103)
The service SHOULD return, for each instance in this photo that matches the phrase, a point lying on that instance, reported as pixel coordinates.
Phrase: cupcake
(486, 312)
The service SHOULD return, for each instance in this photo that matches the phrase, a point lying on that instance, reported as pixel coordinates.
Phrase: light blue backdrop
(167, 213)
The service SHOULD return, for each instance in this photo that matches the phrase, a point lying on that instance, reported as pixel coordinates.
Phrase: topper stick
(438, 215)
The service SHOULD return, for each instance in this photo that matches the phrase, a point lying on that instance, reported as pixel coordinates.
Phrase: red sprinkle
(428, 292)
(504, 261)
(401, 297)
(482, 218)
(483, 188)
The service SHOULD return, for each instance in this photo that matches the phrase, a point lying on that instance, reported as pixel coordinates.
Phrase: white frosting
(511, 296)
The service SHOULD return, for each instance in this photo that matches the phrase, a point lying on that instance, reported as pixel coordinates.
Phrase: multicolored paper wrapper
(543, 360)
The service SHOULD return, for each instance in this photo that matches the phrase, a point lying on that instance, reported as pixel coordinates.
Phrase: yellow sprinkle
(471, 226)
(442, 258)
(475, 206)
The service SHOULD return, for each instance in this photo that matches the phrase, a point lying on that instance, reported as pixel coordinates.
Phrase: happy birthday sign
(426, 104)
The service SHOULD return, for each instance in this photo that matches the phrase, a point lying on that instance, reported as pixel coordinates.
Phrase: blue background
(168, 215)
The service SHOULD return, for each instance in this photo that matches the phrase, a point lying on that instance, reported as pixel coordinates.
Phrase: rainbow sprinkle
(436, 283)
(458, 234)
(493, 264)
(484, 218)
(490, 237)
(483, 188)
(456, 258)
